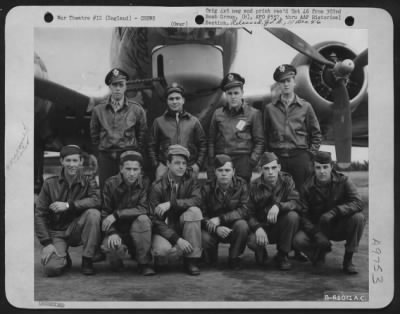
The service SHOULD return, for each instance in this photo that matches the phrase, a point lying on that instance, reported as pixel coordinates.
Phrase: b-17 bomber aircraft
(330, 75)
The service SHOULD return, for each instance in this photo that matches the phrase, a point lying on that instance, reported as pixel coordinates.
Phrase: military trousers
(298, 165)
(349, 229)
(281, 233)
(108, 165)
(189, 228)
(237, 240)
(137, 241)
(84, 230)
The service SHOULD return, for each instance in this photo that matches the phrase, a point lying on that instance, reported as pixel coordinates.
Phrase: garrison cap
(232, 80)
(131, 155)
(267, 157)
(175, 88)
(221, 160)
(70, 150)
(178, 150)
(116, 75)
(284, 71)
(323, 157)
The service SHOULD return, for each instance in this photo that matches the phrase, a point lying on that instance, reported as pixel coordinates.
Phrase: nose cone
(344, 68)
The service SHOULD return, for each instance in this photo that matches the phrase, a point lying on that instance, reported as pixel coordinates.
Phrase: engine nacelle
(312, 79)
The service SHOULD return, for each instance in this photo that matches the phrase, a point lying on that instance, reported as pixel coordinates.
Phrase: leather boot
(235, 263)
(282, 261)
(319, 257)
(261, 256)
(190, 265)
(348, 266)
(87, 266)
(146, 270)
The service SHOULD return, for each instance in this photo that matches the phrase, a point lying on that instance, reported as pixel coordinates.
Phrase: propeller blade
(362, 59)
(60, 95)
(342, 124)
(299, 44)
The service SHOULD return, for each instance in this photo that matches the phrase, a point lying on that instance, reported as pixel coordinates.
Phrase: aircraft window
(160, 66)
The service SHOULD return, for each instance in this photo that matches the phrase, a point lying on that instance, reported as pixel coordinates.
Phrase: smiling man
(274, 205)
(66, 214)
(117, 125)
(176, 126)
(331, 211)
(174, 202)
(125, 215)
(236, 130)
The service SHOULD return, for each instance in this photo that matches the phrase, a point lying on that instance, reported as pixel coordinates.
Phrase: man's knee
(207, 240)
(55, 266)
(300, 240)
(192, 214)
(93, 215)
(141, 224)
(251, 241)
(292, 218)
(241, 226)
(161, 246)
(357, 219)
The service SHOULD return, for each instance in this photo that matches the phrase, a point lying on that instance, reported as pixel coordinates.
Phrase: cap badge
(174, 84)
(282, 68)
(230, 77)
(115, 72)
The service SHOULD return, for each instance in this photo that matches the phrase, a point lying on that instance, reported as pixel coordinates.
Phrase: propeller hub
(343, 69)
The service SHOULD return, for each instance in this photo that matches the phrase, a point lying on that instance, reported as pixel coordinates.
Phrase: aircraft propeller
(339, 74)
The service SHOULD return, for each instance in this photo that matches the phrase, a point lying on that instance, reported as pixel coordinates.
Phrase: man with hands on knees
(331, 211)
(274, 203)
(125, 215)
(225, 212)
(174, 202)
(67, 214)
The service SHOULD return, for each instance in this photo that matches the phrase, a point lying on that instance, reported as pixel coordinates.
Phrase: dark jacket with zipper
(229, 206)
(341, 197)
(236, 132)
(188, 195)
(83, 194)
(263, 196)
(186, 131)
(125, 202)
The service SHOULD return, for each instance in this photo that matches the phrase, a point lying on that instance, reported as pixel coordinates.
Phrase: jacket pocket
(275, 136)
(301, 137)
(301, 132)
(243, 135)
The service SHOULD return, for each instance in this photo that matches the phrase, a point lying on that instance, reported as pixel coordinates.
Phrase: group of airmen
(299, 202)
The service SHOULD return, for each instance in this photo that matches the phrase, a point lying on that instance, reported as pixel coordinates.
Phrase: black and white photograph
(215, 165)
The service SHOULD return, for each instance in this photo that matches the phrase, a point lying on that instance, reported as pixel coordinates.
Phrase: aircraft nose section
(197, 67)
